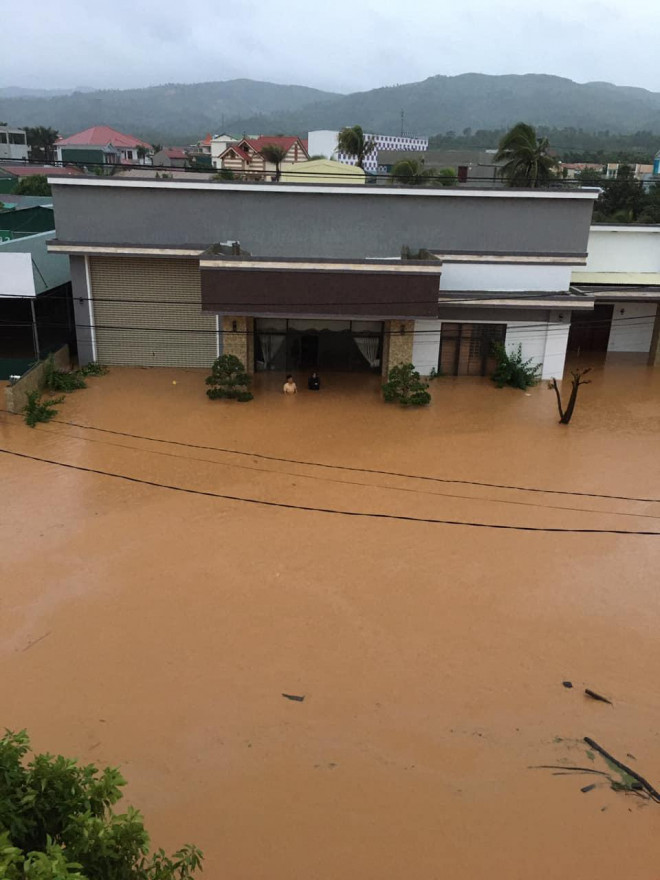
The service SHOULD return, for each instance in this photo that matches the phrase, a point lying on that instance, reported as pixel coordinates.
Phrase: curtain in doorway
(368, 346)
(270, 346)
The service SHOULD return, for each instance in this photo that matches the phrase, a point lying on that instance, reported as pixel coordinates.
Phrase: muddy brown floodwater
(157, 630)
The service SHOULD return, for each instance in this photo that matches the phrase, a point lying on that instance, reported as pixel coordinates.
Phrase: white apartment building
(324, 143)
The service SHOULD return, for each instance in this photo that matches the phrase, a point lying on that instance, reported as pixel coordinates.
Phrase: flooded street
(157, 630)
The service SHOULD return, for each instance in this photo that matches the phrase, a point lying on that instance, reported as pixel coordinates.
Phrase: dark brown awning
(364, 290)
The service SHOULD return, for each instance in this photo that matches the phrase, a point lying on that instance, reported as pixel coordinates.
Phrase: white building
(324, 143)
(13, 143)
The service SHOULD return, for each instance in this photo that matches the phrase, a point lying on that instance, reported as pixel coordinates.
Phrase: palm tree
(354, 142)
(525, 157)
(275, 154)
(411, 172)
(41, 141)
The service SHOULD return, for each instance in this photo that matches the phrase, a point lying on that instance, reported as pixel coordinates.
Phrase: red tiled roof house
(102, 145)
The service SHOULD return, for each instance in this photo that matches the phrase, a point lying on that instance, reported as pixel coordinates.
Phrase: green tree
(57, 823)
(34, 185)
(623, 198)
(405, 386)
(224, 174)
(142, 152)
(41, 141)
(447, 177)
(590, 176)
(228, 379)
(525, 157)
(650, 212)
(411, 172)
(275, 154)
(352, 141)
(512, 370)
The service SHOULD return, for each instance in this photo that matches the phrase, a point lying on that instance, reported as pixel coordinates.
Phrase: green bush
(59, 380)
(512, 370)
(57, 822)
(38, 410)
(229, 380)
(93, 369)
(405, 386)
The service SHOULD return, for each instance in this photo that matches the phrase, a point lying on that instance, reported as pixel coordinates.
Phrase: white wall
(632, 330)
(504, 276)
(16, 278)
(426, 346)
(623, 249)
(545, 342)
(322, 143)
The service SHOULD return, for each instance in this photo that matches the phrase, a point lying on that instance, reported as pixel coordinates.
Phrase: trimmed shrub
(228, 380)
(512, 370)
(405, 386)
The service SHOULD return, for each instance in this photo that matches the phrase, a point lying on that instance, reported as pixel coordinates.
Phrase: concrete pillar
(556, 342)
(238, 339)
(654, 351)
(398, 344)
(83, 309)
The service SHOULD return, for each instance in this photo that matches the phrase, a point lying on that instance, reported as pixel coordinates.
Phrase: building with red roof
(102, 145)
(245, 156)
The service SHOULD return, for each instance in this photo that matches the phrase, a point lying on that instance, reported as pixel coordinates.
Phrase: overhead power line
(316, 477)
(329, 510)
(317, 464)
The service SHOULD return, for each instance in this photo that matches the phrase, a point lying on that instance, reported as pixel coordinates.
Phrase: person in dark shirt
(314, 382)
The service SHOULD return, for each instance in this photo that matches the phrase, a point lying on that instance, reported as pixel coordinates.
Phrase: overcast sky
(341, 45)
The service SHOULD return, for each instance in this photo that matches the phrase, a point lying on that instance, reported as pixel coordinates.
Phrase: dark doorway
(590, 331)
(467, 349)
(309, 352)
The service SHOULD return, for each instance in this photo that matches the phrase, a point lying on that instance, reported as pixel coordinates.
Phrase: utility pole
(35, 333)
(402, 115)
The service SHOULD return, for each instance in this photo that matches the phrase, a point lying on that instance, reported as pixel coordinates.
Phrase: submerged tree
(577, 379)
(229, 379)
(525, 157)
(405, 386)
(57, 823)
(354, 142)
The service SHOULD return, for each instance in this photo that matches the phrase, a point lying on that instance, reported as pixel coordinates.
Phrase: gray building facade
(168, 272)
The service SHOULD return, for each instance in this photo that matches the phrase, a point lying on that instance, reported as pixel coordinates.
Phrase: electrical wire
(330, 510)
(317, 464)
(349, 482)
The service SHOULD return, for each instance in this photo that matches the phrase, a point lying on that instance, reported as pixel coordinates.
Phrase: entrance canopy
(379, 289)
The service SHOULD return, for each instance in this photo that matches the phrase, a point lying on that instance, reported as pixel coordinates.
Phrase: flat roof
(586, 193)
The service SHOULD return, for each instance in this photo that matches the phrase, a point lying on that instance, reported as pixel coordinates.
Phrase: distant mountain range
(20, 92)
(177, 113)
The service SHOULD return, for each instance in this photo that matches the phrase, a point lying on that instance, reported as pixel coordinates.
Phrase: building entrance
(291, 344)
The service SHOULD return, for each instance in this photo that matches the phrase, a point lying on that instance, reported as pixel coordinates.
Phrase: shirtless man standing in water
(290, 386)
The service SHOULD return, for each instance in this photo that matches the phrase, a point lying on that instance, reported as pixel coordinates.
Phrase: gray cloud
(342, 46)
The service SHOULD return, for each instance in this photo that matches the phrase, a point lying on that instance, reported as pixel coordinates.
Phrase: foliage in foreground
(38, 410)
(525, 158)
(512, 370)
(57, 823)
(94, 369)
(61, 380)
(229, 379)
(405, 386)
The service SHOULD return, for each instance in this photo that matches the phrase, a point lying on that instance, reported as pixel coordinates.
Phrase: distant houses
(324, 143)
(13, 143)
(102, 145)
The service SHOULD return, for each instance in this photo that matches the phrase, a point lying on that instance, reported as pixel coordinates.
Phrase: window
(3, 137)
(129, 154)
(17, 139)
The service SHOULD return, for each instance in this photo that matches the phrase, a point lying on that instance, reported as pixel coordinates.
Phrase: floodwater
(157, 630)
